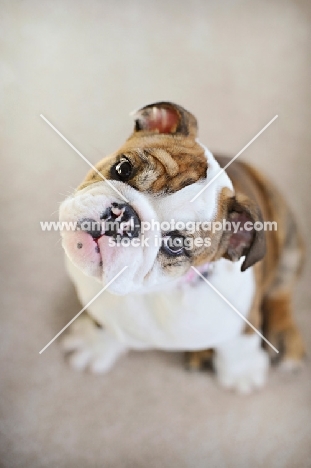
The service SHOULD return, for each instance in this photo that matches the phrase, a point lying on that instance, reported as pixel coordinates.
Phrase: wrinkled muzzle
(102, 234)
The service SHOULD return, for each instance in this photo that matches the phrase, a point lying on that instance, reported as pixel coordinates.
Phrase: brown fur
(162, 149)
(276, 274)
(156, 170)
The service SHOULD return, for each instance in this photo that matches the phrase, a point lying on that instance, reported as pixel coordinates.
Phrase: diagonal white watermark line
(82, 310)
(235, 310)
(83, 157)
(234, 158)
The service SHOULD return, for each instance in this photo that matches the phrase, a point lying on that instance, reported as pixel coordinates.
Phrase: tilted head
(137, 210)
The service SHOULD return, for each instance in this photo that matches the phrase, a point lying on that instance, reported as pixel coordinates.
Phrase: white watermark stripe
(234, 158)
(82, 310)
(188, 227)
(235, 310)
(83, 157)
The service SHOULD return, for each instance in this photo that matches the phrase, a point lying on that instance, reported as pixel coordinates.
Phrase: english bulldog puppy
(140, 228)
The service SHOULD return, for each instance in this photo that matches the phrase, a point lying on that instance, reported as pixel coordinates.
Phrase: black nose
(92, 227)
(121, 220)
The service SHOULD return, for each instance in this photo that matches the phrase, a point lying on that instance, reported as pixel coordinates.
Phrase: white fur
(241, 364)
(177, 317)
(91, 347)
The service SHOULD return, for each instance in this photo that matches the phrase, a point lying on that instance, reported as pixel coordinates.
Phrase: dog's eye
(124, 169)
(173, 244)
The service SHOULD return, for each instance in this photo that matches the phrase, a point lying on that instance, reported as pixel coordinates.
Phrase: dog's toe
(90, 347)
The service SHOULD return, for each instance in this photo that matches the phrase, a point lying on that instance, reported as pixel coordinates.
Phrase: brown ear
(165, 117)
(246, 241)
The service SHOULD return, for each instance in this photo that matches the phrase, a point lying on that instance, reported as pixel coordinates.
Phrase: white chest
(179, 318)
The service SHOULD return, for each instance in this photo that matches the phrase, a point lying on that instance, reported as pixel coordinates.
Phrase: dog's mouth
(108, 236)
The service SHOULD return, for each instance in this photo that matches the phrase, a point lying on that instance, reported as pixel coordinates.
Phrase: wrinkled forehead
(178, 205)
(163, 157)
(160, 163)
(172, 145)
(183, 206)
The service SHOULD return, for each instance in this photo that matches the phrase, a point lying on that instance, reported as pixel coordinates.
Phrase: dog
(211, 293)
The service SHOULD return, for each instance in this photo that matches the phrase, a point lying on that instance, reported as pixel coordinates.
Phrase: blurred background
(85, 65)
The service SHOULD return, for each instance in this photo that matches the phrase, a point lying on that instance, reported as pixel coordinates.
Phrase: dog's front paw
(91, 347)
(241, 369)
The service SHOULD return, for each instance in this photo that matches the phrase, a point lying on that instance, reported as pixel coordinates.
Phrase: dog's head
(137, 208)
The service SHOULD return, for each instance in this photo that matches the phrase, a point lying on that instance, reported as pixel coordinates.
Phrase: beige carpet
(85, 65)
